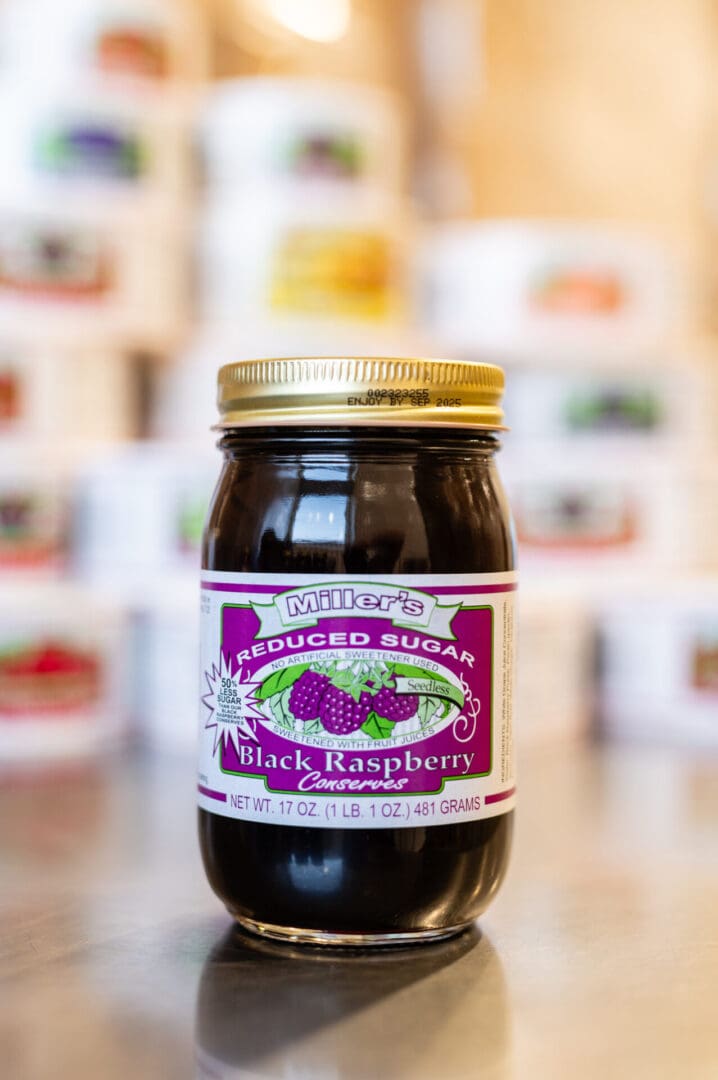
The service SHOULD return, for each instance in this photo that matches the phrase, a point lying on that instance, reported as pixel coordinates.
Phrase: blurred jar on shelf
(81, 141)
(35, 503)
(68, 394)
(664, 406)
(659, 669)
(530, 289)
(139, 516)
(595, 509)
(63, 674)
(138, 44)
(313, 265)
(69, 273)
(556, 651)
(304, 133)
(166, 661)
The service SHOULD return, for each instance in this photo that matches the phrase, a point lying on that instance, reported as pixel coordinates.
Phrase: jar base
(296, 936)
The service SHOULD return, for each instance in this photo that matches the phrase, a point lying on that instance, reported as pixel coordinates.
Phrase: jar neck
(291, 441)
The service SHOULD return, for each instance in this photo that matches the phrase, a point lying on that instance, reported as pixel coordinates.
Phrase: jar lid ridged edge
(360, 390)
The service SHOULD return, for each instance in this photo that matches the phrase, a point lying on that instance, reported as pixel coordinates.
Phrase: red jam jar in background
(356, 780)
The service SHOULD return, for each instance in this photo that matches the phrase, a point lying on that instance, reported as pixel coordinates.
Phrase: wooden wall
(599, 109)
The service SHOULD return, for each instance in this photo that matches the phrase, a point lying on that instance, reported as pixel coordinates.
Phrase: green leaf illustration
(376, 727)
(280, 680)
(445, 705)
(427, 710)
(279, 705)
(312, 727)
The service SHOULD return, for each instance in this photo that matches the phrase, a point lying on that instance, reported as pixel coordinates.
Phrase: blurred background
(184, 184)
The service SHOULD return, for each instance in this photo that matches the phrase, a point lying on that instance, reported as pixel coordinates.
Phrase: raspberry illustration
(306, 696)
(341, 714)
(393, 706)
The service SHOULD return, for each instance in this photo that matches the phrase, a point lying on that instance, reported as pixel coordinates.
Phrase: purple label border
(444, 590)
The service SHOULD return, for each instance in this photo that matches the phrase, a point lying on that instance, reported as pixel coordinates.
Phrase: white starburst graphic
(233, 708)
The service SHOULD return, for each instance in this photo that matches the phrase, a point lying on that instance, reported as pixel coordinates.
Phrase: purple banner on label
(447, 684)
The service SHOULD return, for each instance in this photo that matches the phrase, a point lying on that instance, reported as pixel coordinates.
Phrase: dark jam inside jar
(342, 501)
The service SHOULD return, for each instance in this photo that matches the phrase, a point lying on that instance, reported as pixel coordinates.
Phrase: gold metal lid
(353, 391)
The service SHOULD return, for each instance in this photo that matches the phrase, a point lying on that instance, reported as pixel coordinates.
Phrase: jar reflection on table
(274, 1010)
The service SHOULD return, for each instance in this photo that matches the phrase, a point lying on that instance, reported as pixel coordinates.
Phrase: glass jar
(356, 766)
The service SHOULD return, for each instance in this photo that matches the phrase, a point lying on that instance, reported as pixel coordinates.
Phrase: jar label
(131, 50)
(90, 149)
(357, 701)
(578, 290)
(11, 396)
(48, 678)
(32, 529)
(324, 154)
(56, 263)
(578, 517)
(333, 273)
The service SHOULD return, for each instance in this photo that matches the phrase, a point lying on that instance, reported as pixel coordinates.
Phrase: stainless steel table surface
(599, 958)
